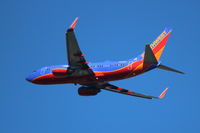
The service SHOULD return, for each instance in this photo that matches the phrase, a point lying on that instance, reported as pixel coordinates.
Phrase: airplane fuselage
(104, 72)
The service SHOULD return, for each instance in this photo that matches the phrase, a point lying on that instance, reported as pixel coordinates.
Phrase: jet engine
(88, 91)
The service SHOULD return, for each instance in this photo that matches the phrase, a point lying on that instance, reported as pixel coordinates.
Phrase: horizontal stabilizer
(169, 69)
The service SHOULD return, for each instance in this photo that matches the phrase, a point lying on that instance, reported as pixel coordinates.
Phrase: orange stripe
(158, 54)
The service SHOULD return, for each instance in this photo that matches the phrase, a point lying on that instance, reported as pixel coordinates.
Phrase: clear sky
(32, 35)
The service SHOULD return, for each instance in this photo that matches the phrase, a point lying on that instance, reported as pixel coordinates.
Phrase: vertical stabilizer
(149, 57)
(159, 44)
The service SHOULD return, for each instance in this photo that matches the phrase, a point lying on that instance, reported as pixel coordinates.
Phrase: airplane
(93, 77)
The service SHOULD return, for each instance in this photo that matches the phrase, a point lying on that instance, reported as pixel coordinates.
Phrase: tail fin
(159, 44)
(149, 57)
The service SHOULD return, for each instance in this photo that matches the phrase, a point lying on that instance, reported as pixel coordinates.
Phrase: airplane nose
(29, 78)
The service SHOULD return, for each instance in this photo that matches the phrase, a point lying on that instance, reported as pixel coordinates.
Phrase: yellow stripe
(139, 67)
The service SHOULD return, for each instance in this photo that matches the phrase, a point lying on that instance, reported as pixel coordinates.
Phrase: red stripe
(161, 44)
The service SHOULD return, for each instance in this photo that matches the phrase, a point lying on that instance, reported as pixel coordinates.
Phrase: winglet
(163, 93)
(72, 26)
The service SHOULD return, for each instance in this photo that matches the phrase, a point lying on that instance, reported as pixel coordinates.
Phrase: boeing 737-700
(93, 77)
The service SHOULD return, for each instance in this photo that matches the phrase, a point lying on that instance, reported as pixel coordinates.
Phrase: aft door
(130, 65)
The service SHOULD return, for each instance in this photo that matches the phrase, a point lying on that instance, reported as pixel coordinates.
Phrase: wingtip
(182, 73)
(163, 93)
(72, 26)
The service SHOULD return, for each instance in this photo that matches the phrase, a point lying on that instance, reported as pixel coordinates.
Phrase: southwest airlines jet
(96, 76)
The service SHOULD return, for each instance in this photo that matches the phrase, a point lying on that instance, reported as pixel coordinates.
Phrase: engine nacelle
(88, 91)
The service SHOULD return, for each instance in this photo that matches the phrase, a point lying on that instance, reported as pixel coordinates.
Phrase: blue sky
(33, 35)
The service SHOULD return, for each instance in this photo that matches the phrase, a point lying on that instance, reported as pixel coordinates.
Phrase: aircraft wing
(113, 88)
(77, 63)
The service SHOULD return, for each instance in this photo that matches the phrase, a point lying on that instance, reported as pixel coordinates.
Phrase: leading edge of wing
(113, 88)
